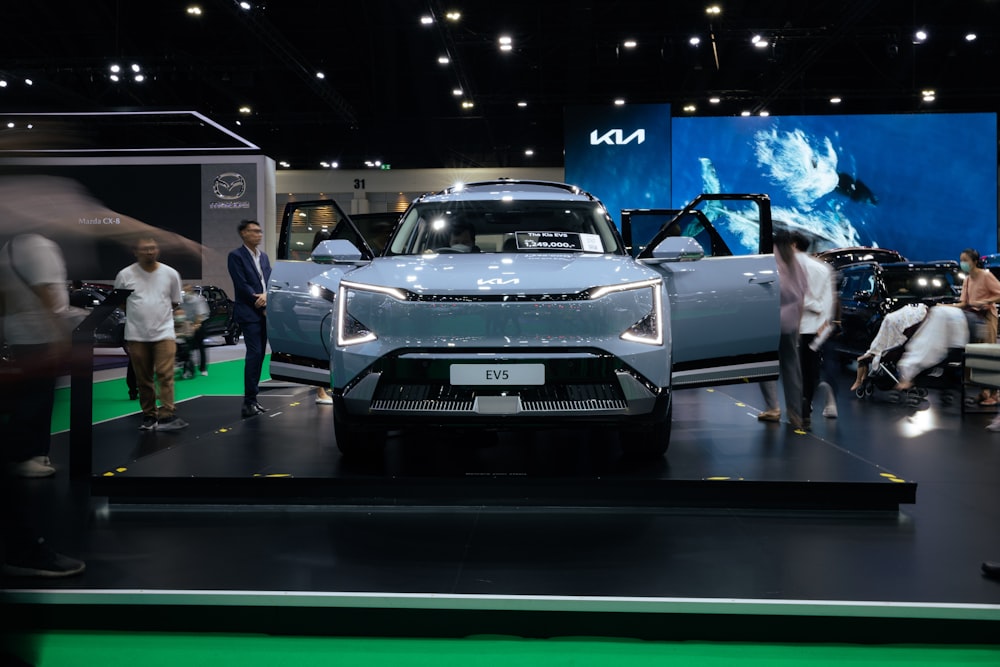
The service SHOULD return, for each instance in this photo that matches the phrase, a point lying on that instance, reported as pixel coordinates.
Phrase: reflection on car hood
(476, 273)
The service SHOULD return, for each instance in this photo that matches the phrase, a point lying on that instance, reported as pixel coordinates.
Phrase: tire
(648, 441)
(354, 442)
(232, 335)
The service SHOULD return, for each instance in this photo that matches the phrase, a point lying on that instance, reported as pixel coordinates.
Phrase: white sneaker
(830, 412)
(36, 466)
(994, 425)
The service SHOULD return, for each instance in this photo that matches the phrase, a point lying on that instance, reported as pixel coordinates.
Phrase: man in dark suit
(250, 270)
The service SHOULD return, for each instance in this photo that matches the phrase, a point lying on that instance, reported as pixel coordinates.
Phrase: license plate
(497, 374)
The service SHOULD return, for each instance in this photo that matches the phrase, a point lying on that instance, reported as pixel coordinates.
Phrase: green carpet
(108, 649)
(225, 378)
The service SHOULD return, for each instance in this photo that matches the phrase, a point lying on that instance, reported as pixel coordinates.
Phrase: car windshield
(921, 284)
(497, 226)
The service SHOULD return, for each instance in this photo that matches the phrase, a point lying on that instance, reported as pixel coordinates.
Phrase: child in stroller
(184, 334)
(929, 357)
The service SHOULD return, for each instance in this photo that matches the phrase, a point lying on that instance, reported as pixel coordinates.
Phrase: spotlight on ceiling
(744, 113)
(506, 43)
(690, 108)
(522, 104)
(694, 41)
(467, 104)
(630, 43)
(835, 100)
(928, 95)
(139, 78)
(113, 77)
(619, 102)
(426, 20)
(284, 164)
(29, 82)
(3, 83)
(920, 37)
(245, 6)
(529, 151)
(325, 165)
(714, 100)
(320, 75)
(457, 92)
(115, 68)
(194, 10)
(765, 114)
(443, 60)
(713, 10)
(971, 37)
(759, 42)
(245, 110)
(453, 15)
(135, 67)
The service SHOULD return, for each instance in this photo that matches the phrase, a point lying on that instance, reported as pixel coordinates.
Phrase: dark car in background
(838, 257)
(220, 320)
(868, 291)
(111, 332)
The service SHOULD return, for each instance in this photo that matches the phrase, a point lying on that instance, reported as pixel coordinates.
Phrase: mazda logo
(229, 186)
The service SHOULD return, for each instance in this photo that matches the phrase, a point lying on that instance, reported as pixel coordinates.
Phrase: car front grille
(552, 399)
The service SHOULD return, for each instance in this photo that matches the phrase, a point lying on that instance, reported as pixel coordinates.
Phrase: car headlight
(649, 328)
(354, 301)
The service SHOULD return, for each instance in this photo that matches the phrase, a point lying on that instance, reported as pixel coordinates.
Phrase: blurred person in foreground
(33, 278)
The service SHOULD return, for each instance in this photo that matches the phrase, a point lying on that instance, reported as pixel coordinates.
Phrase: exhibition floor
(588, 550)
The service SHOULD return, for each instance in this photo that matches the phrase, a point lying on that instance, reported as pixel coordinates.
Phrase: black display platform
(720, 456)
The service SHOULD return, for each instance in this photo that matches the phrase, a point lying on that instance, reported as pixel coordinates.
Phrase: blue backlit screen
(923, 184)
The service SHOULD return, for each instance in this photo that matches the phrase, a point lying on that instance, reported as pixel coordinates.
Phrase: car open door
(298, 315)
(723, 290)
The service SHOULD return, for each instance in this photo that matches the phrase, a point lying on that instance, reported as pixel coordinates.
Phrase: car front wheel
(649, 440)
(353, 441)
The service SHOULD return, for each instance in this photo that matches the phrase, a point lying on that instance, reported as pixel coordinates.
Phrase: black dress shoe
(250, 410)
(258, 407)
(991, 569)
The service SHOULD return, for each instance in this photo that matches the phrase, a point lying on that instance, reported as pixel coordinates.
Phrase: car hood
(476, 273)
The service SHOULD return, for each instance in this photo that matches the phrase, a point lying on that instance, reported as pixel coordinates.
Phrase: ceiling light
(629, 44)
(284, 164)
(694, 41)
(467, 104)
(714, 100)
(690, 108)
(10, 125)
(240, 123)
(245, 5)
(29, 82)
(139, 78)
(529, 152)
(115, 68)
(457, 92)
(929, 95)
(113, 77)
(426, 20)
(194, 10)
(713, 10)
(325, 165)
(506, 47)
(453, 16)
(3, 83)
(744, 113)
(135, 67)
(244, 110)
(835, 100)
(443, 60)
(919, 36)
(619, 102)
(320, 75)
(765, 114)
(505, 39)
(334, 165)
(759, 42)
(522, 104)
(971, 37)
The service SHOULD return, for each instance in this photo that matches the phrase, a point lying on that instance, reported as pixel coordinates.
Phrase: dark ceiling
(385, 97)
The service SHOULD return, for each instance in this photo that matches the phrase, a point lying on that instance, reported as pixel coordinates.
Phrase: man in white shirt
(149, 330)
(818, 313)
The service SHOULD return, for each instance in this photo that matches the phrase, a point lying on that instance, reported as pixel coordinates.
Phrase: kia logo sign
(616, 138)
(229, 186)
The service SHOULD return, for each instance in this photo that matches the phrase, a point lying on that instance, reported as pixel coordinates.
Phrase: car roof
(513, 188)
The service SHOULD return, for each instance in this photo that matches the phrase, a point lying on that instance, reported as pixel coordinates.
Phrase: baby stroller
(184, 334)
(940, 360)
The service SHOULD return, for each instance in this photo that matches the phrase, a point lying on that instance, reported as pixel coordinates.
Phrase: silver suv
(507, 304)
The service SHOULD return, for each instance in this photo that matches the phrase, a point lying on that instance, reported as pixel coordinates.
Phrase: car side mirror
(336, 251)
(676, 249)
